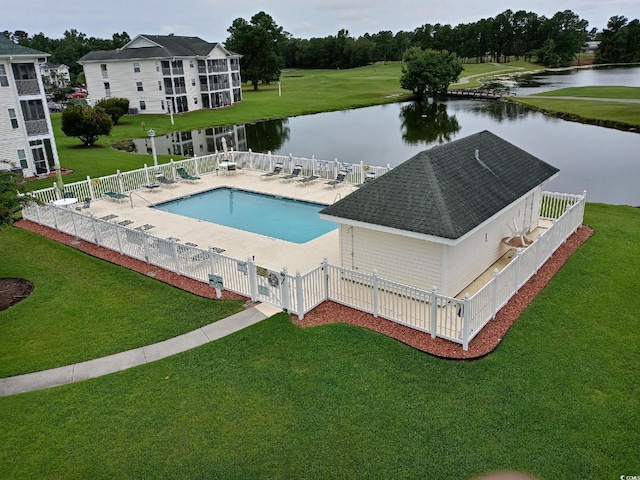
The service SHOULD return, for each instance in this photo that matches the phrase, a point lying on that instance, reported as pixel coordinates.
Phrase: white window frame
(139, 87)
(136, 67)
(4, 78)
(22, 158)
(143, 105)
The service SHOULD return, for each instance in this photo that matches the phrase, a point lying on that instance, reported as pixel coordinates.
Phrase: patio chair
(231, 168)
(68, 195)
(368, 178)
(297, 170)
(308, 180)
(86, 203)
(184, 175)
(119, 197)
(277, 170)
(165, 181)
(342, 175)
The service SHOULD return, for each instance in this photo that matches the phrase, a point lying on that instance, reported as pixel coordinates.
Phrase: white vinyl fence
(441, 316)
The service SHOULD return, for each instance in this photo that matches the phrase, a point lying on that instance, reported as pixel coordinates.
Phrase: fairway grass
(556, 399)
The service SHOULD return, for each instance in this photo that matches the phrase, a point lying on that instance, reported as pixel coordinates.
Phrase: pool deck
(267, 252)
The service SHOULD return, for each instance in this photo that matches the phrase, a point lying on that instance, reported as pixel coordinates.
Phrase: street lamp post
(152, 135)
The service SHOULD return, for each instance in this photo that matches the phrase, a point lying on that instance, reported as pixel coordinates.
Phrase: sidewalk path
(138, 356)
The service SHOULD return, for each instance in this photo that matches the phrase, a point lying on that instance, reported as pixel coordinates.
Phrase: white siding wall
(11, 139)
(123, 82)
(468, 260)
(401, 259)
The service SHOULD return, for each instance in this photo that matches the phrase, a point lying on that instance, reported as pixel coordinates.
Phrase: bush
(115, 107)
(86, 123)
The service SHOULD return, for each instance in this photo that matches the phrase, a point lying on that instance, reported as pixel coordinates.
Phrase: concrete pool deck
(268, 252)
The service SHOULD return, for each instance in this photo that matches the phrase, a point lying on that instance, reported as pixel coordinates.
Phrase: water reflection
(423, 123)
(500, 111)
(196, 142)
(268, 136)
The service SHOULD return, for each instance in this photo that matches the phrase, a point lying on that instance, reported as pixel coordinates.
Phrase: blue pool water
(287, 219)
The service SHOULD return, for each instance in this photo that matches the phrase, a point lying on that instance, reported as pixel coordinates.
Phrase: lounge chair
(165, 181)
(297, 170)
(308, 180)
(184, 175)
(342, 175)
(277, 170)
(86, 203)
(115, 196)
(368, 178)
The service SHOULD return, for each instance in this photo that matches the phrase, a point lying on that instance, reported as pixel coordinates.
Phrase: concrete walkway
(138, 356)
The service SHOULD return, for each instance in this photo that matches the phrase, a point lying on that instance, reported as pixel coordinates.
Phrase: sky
(210, 19)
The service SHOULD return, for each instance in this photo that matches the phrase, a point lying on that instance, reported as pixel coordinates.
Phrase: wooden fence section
(457, 320)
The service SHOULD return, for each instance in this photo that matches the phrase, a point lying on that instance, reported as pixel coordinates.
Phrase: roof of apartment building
(156, 46)
(8, 48)
(448, 190)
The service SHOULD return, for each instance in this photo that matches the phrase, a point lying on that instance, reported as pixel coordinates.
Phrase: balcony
(28, 87)
(36, 127)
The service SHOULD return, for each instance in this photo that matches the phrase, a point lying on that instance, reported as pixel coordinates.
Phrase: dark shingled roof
(169, 46)
(7, 47)
(445, 191)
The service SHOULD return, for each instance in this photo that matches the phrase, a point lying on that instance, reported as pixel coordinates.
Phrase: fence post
(300, 294)
(494, 300)
(38, 214)
(253, 279)
(173, 169)
(325, 278)
(176, 257)
(55, 218)
(567, 228)
(120, 184)
(96, 234)
(376, 299)
(145, 246)
(517, 260)
(90, 185)
(75, 227)
(284, 293)
(434, 311)
(466, 319)
(538, 244)
(119, 238)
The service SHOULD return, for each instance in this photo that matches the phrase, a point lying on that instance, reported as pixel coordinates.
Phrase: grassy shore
(621, 115)
(557, 399)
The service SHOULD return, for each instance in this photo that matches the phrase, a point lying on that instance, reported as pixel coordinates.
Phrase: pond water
(605, 162)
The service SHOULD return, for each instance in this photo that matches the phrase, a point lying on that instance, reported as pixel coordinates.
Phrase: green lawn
(595, 92)
(84, 308)
(611, 114)
(557, 399)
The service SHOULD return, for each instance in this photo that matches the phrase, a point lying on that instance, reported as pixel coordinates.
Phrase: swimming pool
(284, 218)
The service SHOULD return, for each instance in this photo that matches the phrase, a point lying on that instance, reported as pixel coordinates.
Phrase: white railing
(458, 320)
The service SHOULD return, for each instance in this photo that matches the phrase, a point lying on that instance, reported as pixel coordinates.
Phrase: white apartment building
(58, 75)
(26, 135)
(165, 74)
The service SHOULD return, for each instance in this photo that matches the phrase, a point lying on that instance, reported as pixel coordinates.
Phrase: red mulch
(330, 312)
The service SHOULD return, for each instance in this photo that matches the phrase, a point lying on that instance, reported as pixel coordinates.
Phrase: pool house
(299, 276)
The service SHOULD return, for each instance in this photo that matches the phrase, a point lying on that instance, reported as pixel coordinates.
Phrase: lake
(604, 162)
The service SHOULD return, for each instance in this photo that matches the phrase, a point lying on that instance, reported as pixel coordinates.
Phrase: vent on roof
(484, 165)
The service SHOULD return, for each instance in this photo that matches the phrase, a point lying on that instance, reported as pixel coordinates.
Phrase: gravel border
(330, 312)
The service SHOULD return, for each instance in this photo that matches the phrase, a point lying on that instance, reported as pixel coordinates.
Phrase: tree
(429, 73)
(261, 43)
(12, 197)
(114, 107)
(85, 122)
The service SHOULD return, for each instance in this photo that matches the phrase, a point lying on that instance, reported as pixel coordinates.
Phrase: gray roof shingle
(7, 47)
(445, 191)
(169, 46)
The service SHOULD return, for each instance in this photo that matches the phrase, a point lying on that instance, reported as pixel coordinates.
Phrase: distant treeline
(510, 35)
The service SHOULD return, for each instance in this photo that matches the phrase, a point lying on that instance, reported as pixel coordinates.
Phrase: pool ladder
(337, 197)
(138, 195)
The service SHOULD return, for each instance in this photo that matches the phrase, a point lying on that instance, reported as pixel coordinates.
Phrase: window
(160, 85)
(13, 118)
(136, 67)
(103, 67)
(190, 63)
(143, 105)
(157, 66)
(4, 81)
(162, 104)
(107, 89)
(195, 100)
(22, 158)
(139, 86)
(193, 81)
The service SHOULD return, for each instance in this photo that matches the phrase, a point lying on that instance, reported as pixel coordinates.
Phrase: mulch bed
(330, 312)
(12, 290)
